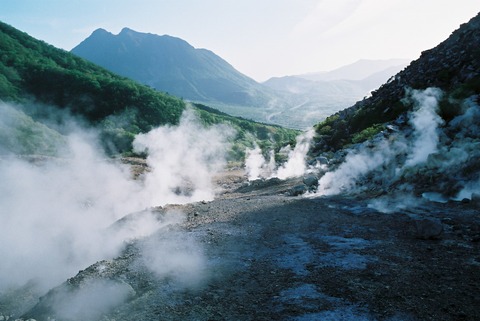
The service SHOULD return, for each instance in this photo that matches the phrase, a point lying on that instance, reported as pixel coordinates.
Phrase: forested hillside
(34, 75)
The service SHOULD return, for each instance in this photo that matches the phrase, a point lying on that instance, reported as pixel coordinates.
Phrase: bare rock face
(428, 229)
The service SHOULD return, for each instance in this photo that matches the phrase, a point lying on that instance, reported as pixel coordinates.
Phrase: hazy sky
(261, 38)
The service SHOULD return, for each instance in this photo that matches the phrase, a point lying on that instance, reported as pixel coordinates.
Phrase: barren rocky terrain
(264, 255)
(84, 238)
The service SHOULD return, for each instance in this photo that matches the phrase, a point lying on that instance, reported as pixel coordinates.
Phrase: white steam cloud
(176, 255)
(55, 217)
(257, 166)
(425, 122)
(386, 154)
(183, 159)
(355, 166)
(91, 300)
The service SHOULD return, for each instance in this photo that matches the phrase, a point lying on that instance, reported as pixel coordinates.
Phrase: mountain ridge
(171, 64)
(357, 70)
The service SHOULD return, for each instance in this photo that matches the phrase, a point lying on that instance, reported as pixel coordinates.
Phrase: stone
(322, 160)
(428, 229)
(310, 180)
(298, 190)
(465, 200)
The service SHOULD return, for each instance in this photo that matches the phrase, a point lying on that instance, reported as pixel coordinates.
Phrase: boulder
(322, 160)
(310, 181)
(428, 229)
(319, 160)
(298, 190)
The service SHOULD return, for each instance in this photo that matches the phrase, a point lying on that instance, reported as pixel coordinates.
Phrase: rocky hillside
(453, 66)
(417, 133)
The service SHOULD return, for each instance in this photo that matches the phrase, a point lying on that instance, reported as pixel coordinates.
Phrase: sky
(260, 38)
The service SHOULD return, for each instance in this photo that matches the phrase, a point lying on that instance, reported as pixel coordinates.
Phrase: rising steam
(183, 159)
(425, 122)
(257, 166)
(397, 156)
(55, 217)
(386, 152)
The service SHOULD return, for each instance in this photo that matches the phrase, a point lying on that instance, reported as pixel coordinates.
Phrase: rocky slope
(258, 254)
(453, 66)
(418, 132)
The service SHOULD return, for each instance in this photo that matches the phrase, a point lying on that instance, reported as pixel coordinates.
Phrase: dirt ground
(270, 256)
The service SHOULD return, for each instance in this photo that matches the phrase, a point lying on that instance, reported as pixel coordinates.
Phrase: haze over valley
(144, 178)
(171, 65)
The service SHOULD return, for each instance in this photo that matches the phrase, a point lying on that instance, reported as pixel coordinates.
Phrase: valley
(171, 65)
(120, 201)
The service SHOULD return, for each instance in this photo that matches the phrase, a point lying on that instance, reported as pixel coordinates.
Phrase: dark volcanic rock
(311, 181)
(298, 190)
(428, 229)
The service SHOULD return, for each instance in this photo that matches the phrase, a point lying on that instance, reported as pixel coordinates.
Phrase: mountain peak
(100, 32)
(172, 65)
(128, 31)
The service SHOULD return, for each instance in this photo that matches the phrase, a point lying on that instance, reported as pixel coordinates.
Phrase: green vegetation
(268, 137)
(37, 75)
(367, 133)
(53, 76)
(355, 125)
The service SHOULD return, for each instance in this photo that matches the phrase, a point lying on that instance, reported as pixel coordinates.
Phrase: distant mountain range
(350, 80)
(172, 65)
(324, 93)
(360, 70)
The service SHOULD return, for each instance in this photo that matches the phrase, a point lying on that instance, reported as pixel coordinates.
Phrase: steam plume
(386, 153)
(183, 160)
(425, 122)
(258, 167)
(55, 216)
